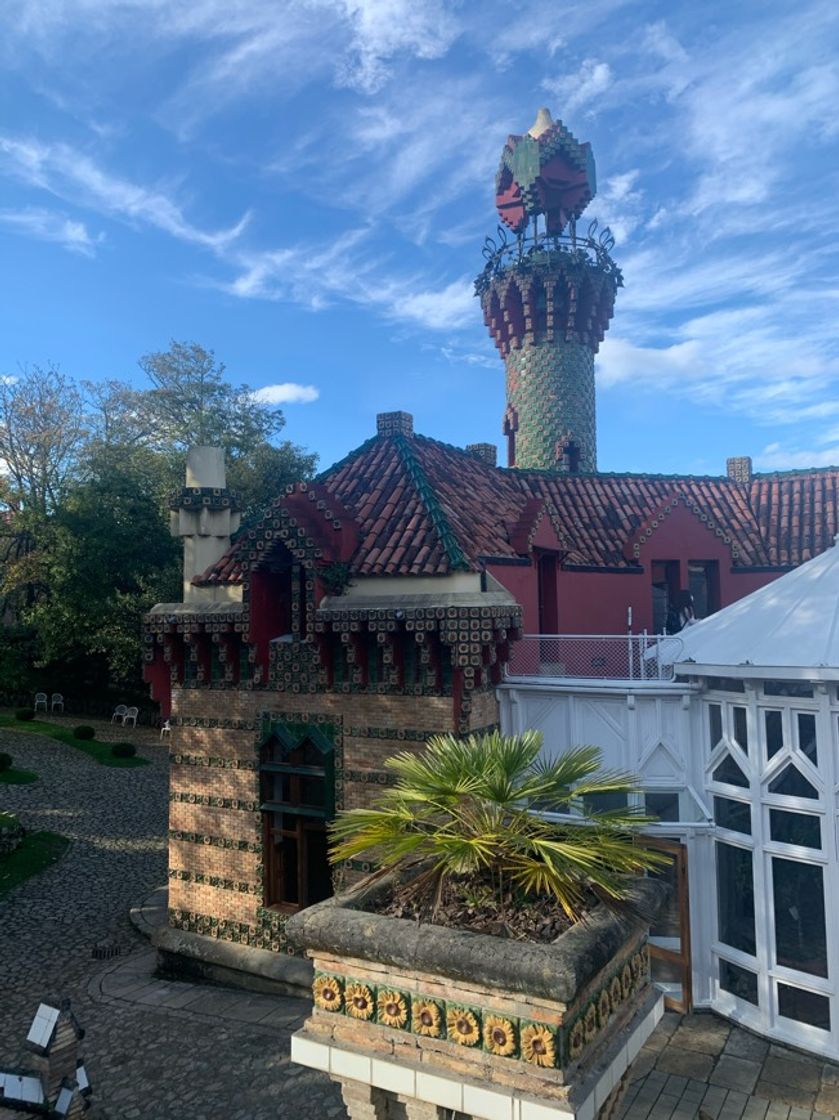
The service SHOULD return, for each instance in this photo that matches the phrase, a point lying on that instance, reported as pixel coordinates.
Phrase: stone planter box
(415, 1019)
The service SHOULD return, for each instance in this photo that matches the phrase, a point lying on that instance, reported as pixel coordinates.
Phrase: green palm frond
(471, 807)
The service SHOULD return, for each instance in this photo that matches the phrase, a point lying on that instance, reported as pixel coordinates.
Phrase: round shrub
(123, 750)
(5, 761)
(24, 713)
(84, 732)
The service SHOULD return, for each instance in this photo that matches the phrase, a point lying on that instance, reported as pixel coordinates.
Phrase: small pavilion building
(738, 757)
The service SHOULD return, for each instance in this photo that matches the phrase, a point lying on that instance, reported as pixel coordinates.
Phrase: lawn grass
(101, 752)
(38, 851)
(13, 777)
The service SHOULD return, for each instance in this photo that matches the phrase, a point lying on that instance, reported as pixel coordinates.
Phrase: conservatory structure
(738, 755)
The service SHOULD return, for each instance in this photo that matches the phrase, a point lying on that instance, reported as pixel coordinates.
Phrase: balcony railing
(620, 657)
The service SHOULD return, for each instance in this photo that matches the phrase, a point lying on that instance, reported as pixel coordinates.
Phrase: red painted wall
(597, 602)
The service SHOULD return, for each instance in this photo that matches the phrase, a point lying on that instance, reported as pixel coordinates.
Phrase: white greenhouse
(738, 756)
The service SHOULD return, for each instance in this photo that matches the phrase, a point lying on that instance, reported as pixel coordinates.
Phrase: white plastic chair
(119, 713)
(165, 728)
(130, 716)
(56, 702)
(40, 701)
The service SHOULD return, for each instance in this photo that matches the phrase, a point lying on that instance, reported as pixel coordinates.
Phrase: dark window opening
(792, 783)
(714, 725)
(807, 736)
(605, 802)
(773, 721)
(570, 460)
(739, 982)
(798, 897)
(800, 689)
(741, 728)
(665, 806)
(546, 588)
(804, 1007)
(704, 586)
(665, 589)
(726, 684)
(733, 815)
(795, 828)
(729, 772)
(735, 898)
(297, 797)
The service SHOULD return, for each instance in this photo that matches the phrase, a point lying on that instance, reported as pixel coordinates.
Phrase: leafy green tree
(469, 808)
(104, 559)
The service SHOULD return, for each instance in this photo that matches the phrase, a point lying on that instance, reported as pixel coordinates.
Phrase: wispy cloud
(71, 174)
(46, 225)
(585, 85)
(286, 392)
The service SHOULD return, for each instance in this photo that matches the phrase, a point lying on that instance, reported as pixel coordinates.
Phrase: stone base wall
(215, 827)
(511, 1039)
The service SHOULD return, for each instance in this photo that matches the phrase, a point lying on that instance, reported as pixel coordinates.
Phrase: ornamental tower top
(547, 295)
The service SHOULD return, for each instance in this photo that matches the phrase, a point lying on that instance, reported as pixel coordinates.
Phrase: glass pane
(738, 981)
(665, 806)
(741, 730)
(668, 976)
(729, 772)
(736, 815)
(726, 684)
(714, 724)
(318, 876)
(792, 783)
(668, 922)
(774, 733)
(804, 1007)
(735, 897)
(288, 870)
(313, 792)
(605, 802)
(800, 938)
(787, 688)
(795, 828)
(807, 736)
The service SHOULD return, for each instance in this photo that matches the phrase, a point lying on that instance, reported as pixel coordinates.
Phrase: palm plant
(473, 808)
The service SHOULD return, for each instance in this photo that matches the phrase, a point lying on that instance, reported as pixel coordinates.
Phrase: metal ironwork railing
(621, 657)
(532, 247)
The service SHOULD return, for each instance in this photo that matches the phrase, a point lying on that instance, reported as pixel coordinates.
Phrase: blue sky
(304, 187)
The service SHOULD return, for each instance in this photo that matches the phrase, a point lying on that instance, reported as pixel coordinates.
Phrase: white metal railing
(622, 657)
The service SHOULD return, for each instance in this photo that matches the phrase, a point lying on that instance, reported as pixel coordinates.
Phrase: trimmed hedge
(84, 731)
(123, 750)
(24, 714)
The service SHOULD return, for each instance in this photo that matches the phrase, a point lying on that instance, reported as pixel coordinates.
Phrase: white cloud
(575, 91)
(70, 174)
(46, 225)
(286, 392)
(776, 457)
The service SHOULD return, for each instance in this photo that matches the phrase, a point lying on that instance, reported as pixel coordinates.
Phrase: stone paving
(167, 1050)
(701, 1065)
(146, 1056)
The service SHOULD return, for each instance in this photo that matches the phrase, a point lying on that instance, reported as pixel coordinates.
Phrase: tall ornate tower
(547, 296)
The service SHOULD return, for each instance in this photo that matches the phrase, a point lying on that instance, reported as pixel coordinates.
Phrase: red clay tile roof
(422, 507)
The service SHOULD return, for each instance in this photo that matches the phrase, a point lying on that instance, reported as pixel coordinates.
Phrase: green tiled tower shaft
(550, 390)
(547, 297)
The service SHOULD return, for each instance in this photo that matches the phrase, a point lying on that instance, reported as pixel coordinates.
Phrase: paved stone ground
(700, 1065)
(146, 1056)
(169, 1050)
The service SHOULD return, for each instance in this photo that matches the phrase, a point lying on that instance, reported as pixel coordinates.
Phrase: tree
(105, 558)
(42, 431)
(190, 403)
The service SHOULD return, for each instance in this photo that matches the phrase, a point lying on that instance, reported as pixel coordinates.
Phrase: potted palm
(495, 961)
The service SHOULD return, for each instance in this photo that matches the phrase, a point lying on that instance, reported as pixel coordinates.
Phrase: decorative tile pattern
(530, 1041)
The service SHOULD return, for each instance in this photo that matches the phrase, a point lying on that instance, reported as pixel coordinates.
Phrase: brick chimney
(739, 468)
(395, 424)
(204, 514)
(488, 452)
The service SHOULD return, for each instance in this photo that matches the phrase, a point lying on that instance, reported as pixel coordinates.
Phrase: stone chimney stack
(204, 514)
(739, 468)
